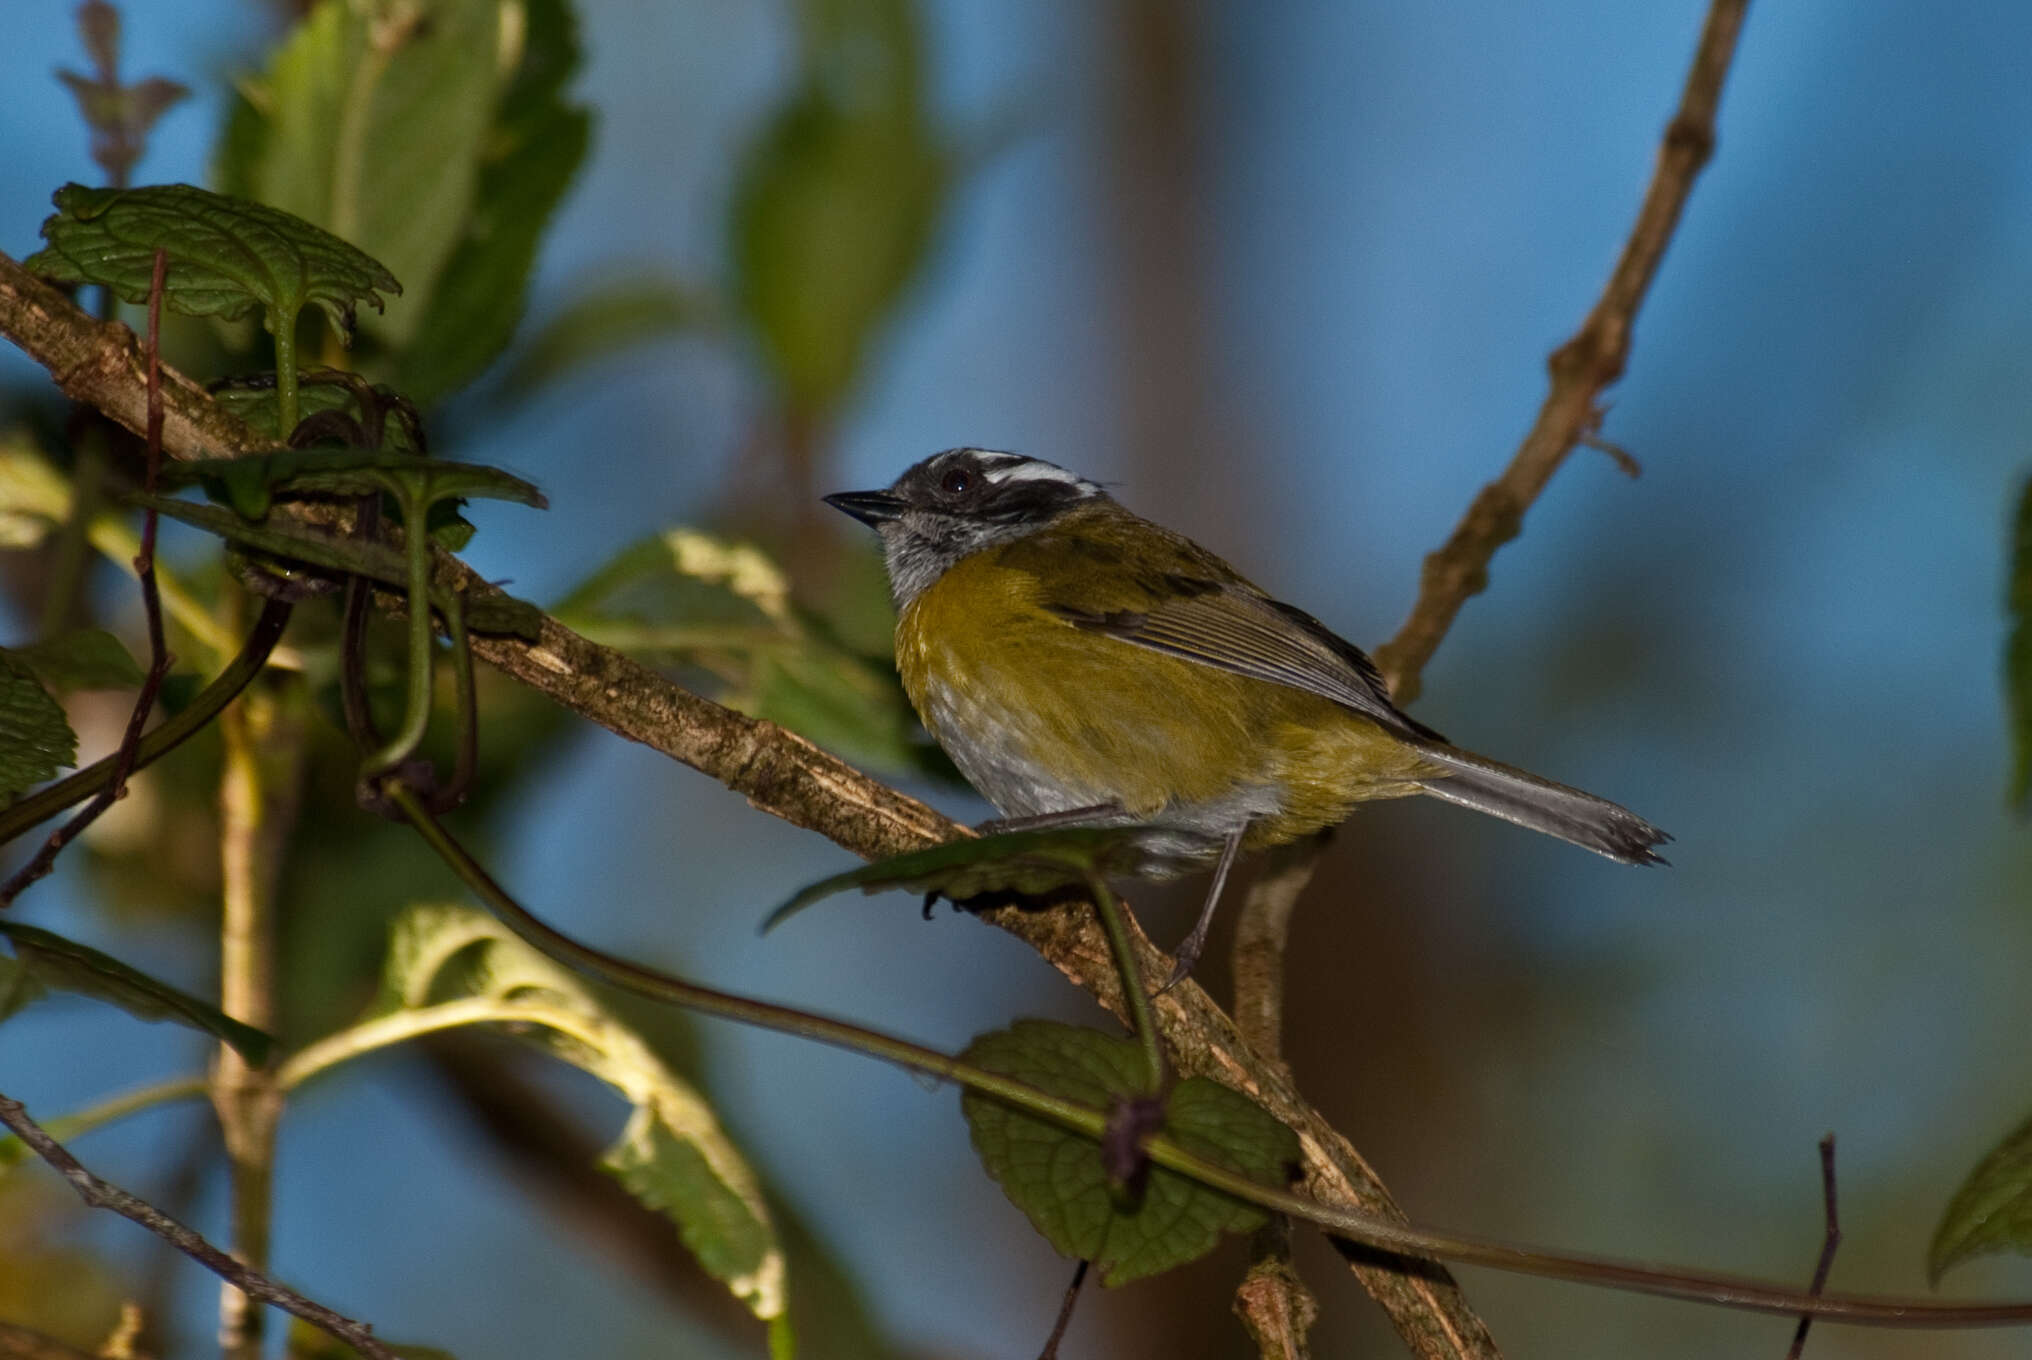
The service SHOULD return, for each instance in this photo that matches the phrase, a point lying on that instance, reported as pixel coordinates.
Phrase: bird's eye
(955, 482)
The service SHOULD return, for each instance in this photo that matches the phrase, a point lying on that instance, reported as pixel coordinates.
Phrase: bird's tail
(1517, 796)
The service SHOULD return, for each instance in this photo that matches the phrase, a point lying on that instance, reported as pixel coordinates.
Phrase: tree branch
(102, 1195)
(1581, 368)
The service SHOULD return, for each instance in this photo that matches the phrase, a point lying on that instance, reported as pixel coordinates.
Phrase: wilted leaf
(227, 256)
(35, 739)
(89, 658)
(1024, 863)
(672, 1154)
(1058, 1179)
(58, 964)
(1992, 1212)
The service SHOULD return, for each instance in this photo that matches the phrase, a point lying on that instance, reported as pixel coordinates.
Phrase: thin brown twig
(1272, 1301)
(1581, 368)
(1828, 1244)
(159, 658)
(101, 1194)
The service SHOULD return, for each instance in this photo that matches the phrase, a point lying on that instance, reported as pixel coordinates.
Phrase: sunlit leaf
(65, 965)
(1059, 1180)
(227, 257)
(88, 658)
(672, 1154)
(526, 165)
(370, 121)
(34, 497)
(1992, 1212)
(1023, 863)
(35, 739)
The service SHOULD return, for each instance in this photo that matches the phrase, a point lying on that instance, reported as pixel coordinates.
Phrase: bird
(1083, 665)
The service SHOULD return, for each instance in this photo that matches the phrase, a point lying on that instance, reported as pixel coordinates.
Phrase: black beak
(872, 508)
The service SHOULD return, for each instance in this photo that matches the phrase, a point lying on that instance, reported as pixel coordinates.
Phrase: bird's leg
(1044, 821)
(1187, 953)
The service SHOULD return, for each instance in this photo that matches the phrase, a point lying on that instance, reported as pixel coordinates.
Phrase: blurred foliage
(45, 1283)
(1992, 1211)
(838, 200)
(87, 658)
(120, 115)
(724, 609)
(604, 321)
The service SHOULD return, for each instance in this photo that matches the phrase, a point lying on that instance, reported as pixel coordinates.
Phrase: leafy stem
(1134, 997)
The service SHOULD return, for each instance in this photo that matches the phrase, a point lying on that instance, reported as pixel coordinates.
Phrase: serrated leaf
(527, 164)
(1992, 1211)
(1022, 863)
(494, 614)
(321, 390)
(35, 738)
(837, 202)
(1058, 1179)
(249, 484)
(672, 1154)
(227, 256)
(89, 658)
(2018, 650)
(65, 965)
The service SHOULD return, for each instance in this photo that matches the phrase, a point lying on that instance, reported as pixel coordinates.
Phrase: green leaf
(333, 135)
(323, 389)
(249, 484)
(35, 739)
(90, 658)
(837, 202)
(2018, 651)
(1058, 1179)
(227, 256)
(526, 165)
(672, 1154)
(1022, 863)
(65, 965)
(725, 607)
(498, 614)
(1992, 1212)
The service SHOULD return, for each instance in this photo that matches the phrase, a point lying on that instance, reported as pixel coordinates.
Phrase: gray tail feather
(1516, 796)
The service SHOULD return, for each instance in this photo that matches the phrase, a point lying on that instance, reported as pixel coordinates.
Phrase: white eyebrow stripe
(1032, 470)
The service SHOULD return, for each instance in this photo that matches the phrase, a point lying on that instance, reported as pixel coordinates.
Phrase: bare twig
(1828, 1244)
(102, 1195)
(159, 659)
(1272, 1301)
(1581, 369)
(1065, 1307)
